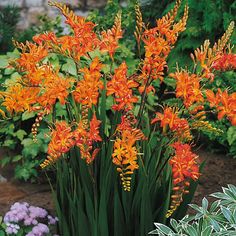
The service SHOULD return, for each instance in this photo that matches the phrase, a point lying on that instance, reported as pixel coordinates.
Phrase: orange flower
(184, 168)
(62, 141)
(225, 62)
(125, 152)
(94, 129)
(225, 104)
(84, 139)
(35, 77)
(48, 37)
(83, 40)
(91, 82)
(158, 43)
(215, 57)
(184, 163)
(18, 98)
(109, 40)
(168, 118)
(121, 87)
(188, 88)
(28, 60)
(54, 87)
(178, 125)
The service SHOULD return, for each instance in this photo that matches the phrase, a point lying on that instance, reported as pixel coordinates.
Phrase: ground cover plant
(217, 219)
(120, 136)
(24, 219)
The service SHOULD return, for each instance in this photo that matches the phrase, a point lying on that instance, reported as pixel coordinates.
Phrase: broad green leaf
(207, 231)
(69, 67)
(204, 204)
(30, 149)
(214, 205)
(231, 135)
(215, 224)
(17, 158)
(170, 81)
(163, 228)
(5, 161)
(227, 213)
(191, 230)
(9, 143)
(14, 54)
(20, 134)
(8, 71)
(15, 76)
(3, 62)
(232, 188)
(27, 115)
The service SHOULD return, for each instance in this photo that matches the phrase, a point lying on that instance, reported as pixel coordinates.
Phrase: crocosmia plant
(120, 138)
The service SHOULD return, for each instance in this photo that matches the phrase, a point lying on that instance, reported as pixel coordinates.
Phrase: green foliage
(9, 17)
(207, 20)
(102, 207)
(15, 137)
(217, 220)
(104, 19)
(2, 227)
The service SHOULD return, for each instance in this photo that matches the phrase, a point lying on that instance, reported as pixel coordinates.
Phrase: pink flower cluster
(22, 216)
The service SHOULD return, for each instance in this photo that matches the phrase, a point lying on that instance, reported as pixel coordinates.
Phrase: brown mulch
(219, 170)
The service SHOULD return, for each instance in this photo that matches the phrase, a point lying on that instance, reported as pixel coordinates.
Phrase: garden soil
(218, 172)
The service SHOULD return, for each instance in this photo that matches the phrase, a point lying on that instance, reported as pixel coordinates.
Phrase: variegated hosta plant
(121, 149)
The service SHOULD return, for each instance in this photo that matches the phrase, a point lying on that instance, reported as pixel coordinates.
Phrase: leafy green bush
(216, 220)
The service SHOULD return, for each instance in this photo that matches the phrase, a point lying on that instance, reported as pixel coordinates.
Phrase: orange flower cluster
(188, 87)
(225, 104)
(91, 82)
(61, 142)
(158, 43)
(170, 119)
(54, 87)
(85, 137)
(184, 168)
(63, 139)
(31, 55)
(83, 41)
(225, 62)
(125, 152)
(121, 87)
(18, 98)
(212, 58)
(40, 84)
(109, 40)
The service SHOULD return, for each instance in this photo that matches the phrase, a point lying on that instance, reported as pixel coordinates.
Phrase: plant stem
(143, 100)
